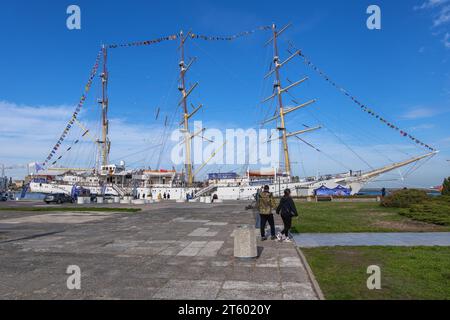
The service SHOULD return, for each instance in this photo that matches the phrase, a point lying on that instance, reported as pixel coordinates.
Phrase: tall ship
(104, 178)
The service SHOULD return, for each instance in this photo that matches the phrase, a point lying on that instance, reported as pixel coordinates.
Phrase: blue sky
(401, 71)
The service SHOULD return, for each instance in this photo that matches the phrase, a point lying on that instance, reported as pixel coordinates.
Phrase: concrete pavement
(168, 251)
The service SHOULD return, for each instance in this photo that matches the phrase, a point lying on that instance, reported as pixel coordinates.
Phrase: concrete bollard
(245, 242)
(80, 200)
(138, 201)
(87, 200)
(116, 199)
(202, 199)
(99, 199)
(207, 199)
(149, 201)
(125, 201)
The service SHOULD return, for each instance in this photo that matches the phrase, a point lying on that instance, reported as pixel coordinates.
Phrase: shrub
(405, 198)
(436, 211)
(446, 187)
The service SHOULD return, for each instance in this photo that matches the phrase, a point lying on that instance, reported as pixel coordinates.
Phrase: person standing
(265, 204)
(287, 210)
(257, 215)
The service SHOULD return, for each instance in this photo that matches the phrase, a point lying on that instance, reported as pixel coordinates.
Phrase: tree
(446, 187)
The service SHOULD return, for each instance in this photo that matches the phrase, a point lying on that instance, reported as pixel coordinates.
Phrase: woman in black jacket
(287, 210)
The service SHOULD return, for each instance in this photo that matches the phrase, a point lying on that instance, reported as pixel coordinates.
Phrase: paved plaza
(167, 251)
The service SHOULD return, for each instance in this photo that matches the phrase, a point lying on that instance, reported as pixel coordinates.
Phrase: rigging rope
(320, 151)
(68, 149)
(75, 113)
(363, 107)
(415, 168)
(337, 137)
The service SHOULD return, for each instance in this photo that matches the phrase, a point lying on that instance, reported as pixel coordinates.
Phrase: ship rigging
(106, 178)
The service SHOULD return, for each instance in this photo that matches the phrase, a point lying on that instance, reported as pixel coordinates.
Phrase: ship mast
(278, 92)
(105, 143)
(277, 85)
(184, 103)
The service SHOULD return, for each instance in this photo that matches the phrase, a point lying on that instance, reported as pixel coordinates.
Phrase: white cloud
(446, 40)
(421, 113)
(425, 126)
(441, 16)
(27, 134)
(430, 4)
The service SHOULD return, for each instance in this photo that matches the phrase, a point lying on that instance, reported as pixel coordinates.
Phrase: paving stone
(216, 223)
(221, 263)
(192, 249)
(296, 291)
(198, 232)
(249, 295)
(246, 285)
(293, 261)
(293, 274)
(189, 289)
(146, 256)
(211, 248)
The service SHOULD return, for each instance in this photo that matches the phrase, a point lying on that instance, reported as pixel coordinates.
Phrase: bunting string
(228, 38)
(67, 150)
(66, 130)
(362, 106)
(191, 35)
(144, 43)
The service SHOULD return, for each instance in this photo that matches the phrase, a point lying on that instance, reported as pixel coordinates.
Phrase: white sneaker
(287, 240)
(279, 236)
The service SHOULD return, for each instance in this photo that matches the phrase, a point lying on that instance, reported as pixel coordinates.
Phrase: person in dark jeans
(264, 205)
(287, 210)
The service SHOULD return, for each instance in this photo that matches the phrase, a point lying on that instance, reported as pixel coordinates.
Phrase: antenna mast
(104, 102)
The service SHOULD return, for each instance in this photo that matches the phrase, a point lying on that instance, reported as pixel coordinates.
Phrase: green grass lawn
(406, 272)
(71, 209)
(340, 217)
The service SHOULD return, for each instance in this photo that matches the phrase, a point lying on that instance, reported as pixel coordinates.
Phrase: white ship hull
(222, 192)
(354, 183)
